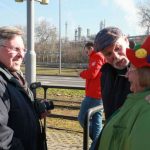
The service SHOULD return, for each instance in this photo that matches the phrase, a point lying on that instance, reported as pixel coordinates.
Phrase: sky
(86, 14)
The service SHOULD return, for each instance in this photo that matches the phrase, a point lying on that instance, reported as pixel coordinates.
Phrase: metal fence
(89, 114)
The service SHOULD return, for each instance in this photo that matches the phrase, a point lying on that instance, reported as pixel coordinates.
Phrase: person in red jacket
(92, 91)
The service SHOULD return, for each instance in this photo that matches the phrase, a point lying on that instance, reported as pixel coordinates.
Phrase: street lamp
(30, 59)
(45, 2)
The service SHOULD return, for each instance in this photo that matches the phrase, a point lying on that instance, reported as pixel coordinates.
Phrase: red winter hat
(140, 55)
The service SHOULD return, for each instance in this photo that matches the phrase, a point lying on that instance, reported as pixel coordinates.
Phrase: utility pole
(30, 62)
(59, 36)
(30, 58)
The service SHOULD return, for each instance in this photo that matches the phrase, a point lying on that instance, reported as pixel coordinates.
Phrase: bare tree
(45, 36)
(47, 45)
(144, 16)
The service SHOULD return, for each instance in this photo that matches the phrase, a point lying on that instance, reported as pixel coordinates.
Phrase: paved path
(63, 140)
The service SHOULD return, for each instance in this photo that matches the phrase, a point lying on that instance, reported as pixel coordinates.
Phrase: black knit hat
(106, 37)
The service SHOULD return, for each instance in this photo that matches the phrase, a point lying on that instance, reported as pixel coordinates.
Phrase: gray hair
(9, 32)
(144, 76)
(106, 37)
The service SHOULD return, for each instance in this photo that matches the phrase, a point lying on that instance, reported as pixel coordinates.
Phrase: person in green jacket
(129, 127)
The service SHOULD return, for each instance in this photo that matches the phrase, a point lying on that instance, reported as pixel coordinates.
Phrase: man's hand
(45, 114)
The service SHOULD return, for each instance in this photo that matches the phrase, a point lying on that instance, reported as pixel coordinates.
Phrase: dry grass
(55, 71)
(62, 94)
(64, 124)
(67, 95)
(66, 112)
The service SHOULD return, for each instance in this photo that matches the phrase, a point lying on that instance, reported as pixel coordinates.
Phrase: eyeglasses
(15, 49)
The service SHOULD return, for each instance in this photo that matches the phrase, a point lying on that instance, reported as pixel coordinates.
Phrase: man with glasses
(19, 121)
(115, 87)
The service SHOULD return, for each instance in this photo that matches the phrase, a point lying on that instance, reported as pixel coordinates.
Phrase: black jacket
(19, 123)
(115, 88)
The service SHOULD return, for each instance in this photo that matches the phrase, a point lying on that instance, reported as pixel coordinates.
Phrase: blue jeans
(96, 121)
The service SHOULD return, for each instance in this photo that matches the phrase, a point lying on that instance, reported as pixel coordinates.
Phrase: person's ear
(92, 48)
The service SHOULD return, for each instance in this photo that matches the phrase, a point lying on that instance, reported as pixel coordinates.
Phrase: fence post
(45, 97)
(89, 115)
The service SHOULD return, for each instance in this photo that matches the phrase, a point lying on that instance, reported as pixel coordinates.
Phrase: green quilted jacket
(129, 127)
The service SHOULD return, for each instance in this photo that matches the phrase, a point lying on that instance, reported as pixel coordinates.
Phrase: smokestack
(76, 32)
(79, 33)
(88, 33)
(66, 30)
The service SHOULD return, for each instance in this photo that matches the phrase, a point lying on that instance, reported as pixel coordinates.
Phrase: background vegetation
(47, 40)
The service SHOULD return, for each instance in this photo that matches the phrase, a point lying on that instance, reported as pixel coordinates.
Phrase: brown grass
(64, 124)
(67, 95)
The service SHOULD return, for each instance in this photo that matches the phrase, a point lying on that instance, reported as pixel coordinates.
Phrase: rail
(36, 85)
(89, 114)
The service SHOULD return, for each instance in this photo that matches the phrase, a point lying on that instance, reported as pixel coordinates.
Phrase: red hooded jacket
(93, 74)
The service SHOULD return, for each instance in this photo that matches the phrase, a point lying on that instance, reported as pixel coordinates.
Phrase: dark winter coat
(115, 88)
(19, 124)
